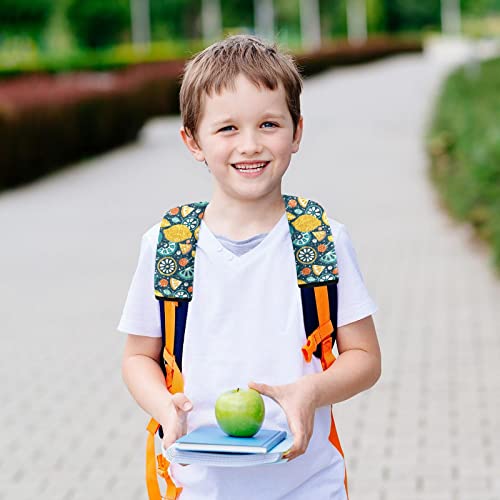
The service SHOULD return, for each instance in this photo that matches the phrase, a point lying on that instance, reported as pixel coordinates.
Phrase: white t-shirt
(245, 324)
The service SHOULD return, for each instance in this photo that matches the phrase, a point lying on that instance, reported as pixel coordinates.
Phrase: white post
(451, 18)
(356, 21)
(211, 20)
(264, 19)
(310, 25)
(141, 30)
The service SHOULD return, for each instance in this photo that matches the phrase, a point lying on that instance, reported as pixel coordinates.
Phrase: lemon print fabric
(312, 240)
(310, 232)
(175, 252)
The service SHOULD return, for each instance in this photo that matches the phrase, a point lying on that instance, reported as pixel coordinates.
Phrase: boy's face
(246, 128)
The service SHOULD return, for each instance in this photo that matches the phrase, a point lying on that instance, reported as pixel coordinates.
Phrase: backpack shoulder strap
(175, 252)
(173, 287)
(317, 277)
(317, 274)
(313, 246)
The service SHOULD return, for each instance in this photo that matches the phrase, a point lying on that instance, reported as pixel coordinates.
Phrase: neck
(241, 219)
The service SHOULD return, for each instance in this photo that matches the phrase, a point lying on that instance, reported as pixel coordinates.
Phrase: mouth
(253, 166)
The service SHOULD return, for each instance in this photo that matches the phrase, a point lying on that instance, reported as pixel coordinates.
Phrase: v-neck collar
(208, 238)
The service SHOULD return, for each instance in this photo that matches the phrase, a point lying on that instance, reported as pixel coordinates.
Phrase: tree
(310, 24)
(264, 18)
(175, 19)
(99, 24)
(24, 16)
(408, 15)
(237, 13)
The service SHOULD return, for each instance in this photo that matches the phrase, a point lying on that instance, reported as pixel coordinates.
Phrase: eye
(227, 128)
(269, 125)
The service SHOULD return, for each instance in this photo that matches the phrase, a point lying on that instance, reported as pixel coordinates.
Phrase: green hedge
(119, 57)
(464, 147)
(47, 121)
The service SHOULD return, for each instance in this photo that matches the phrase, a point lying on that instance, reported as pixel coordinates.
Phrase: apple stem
(237, 390)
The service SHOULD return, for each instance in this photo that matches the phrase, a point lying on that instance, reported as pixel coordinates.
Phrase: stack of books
(209, 445)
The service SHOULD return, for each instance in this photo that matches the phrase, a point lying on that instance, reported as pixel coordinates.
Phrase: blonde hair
(216, 68)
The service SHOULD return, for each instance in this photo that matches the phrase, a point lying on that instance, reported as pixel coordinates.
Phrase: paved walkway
(428, 430)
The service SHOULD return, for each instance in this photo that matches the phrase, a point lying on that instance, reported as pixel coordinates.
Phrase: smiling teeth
(254, 167)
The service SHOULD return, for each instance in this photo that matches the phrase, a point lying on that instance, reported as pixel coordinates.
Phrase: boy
(240, 105)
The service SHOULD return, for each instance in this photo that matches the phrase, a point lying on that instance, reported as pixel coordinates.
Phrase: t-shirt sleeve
(141, 313)
(354, 301)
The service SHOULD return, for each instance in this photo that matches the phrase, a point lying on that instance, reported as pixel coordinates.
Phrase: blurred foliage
(116, 57)
(99, 23)
(464, 145)
(68, 24)
(480, 7)
(175, 19)
(412, 14)
(237, 13)
(47, 34)
(24, 16)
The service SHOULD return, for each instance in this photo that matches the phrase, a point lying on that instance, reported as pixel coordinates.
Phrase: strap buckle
(162, 465)
(321, 333)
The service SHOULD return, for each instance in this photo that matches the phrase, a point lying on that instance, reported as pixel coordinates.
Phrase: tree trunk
(310, 24)
(141, 23)
(211, 20)
(451, 23)
(264, 19)
(356, 21)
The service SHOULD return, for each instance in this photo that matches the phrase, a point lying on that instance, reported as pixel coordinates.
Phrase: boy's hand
(297, 402)
(174, 423)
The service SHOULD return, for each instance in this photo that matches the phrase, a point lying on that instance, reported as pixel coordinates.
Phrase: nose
(249, 143)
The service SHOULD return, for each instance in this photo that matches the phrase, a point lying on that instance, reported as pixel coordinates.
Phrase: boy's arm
(142, 374)
(356, 369)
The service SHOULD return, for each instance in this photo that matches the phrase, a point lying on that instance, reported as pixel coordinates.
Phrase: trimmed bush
(464, 147)
(48, 121)
(344, 54)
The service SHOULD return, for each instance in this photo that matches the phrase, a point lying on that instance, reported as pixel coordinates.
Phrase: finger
(169, 439)
(266, 390)
(182, 402)
(292, 452)
(299, 445)
(295, 451)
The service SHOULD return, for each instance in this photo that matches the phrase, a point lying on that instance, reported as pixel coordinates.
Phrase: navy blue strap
(310, 312)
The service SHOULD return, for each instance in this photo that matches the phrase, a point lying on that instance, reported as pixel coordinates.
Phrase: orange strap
(324, 330)
(175, 383)
(322, 336)
(173, 378)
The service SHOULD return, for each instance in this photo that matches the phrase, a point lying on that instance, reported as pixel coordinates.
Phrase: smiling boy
(240, 104)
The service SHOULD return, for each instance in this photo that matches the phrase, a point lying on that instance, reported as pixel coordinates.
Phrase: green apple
(240, 412)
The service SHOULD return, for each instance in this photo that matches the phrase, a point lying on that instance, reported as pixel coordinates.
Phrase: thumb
(264, 389)
(182, 402)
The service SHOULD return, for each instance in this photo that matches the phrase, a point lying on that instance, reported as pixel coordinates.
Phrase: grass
(464, 147)
(23, 57)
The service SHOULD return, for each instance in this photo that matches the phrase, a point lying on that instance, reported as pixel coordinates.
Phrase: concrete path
(428, 430)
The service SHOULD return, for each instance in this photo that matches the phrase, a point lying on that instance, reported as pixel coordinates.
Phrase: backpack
(317, 277)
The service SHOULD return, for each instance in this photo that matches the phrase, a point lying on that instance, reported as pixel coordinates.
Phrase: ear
(298, 135)
(191, 144)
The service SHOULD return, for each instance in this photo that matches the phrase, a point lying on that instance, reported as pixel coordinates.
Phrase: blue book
(210, 438)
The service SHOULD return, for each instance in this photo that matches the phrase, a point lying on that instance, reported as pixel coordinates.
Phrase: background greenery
(99, 23)
(63, 35)
(41, 122)
(464, 144)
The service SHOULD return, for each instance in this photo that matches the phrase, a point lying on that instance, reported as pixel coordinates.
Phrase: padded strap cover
(312, 240)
